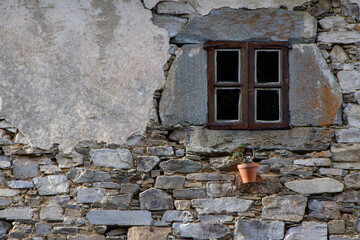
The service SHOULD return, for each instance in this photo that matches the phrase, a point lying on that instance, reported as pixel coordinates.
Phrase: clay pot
(248, 172)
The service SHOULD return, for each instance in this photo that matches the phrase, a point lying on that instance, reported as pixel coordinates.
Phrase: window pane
(267, 66)
(267, 105)
(227, 104)
(227, 66)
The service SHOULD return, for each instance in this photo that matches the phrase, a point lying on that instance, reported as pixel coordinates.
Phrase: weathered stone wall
(116, 181)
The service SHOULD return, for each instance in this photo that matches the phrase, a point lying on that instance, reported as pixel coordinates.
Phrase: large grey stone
(119, 218)
(219, 189)
(189, 193)
(201, 230)
(352, 113)
(344, 237)
(180, 166)
(90, 195)
(222, 163)
(349, 80)
(140, 233)
(323, 162)
(324, 209)
(332, 171)
(82, 175)
(170, 23)
(17, 213)
(335, 23)
(8, 192)
(216, 218)
(170, 182)
(312, 102)
(20, 184)
(352, 180)
(338, 54)
(284, 208)
(69, 160)
(345, 152)
(51, 213)
(309, 231)
(160, 151)
(113, 158)
(52, 185)
(106, 185)
(254, 229)
(346, 165)
(177, 216)
(282, 25)
(118, 201)
(339, 37)
(349, 197)
(24, 168)
(221, 205)
(350, 8)
(86, 237)
(53, 94)
(4, 227)
(314, 186)
(155, 199)
(147, 163)
(349, 135)
(184, 99)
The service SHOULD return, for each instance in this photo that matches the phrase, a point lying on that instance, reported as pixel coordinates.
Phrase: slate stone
(336, 227)
(74, 221)
(118, 201)
(189, 193)
(297, 170)
(352, 113)
(177, 216)
(66, 230)
(338, 37)
(147, 163)
(332, 171)
(345, 165)
(345, 152)
(129, 188)
(155, 199)
(4, 227)
(9, 192)
(335, 23)
(350, 135)
(24, 168)
(338, 54)
(50, 169)
(106, 185)
(348, 80)
(170, 182)
(180, 166)
(69, 160)
(347, 197)
(320, 8)
(308, 230)
(352, 180)
(216, 218)
(86, 237)
(201, 230)
(170, 23)
(223, 163)
(4, 202)
(221, 205)
(349, 8)
(42, 228)
(51, 213)
(254, 229)
(82, 175)
(344, 237)
(204, 176)
(219, 189)
(52, 185)
(119, 218)
(20, 184)
(285, 208)
(17, 213)
(282, 25)
(90, 195)
(182, 204)
(315, 162)
(177, 8)
(113, 158)
(324, 209)
(141, 233)
(160, 151)
(315, 186)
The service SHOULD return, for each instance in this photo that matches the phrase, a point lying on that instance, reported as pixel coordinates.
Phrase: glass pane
(267, 66)
(267, 105)
(227, 66)
(227, 104)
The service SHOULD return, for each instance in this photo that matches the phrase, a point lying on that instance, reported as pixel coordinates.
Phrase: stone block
(219, 189)
(308, 230)
(74, 221)
(350, 166)
(4, 227)
(119, 218)
(113, 158)
(349, 197)
(316, 162)
(254, 229)
(216, 218)
(324, 209)
(17, 213)
(177, 216)
(129, 188)
(189, 193)
(285, 208)
(349, 80)
(50, 169)
(51, 213)
(52, 185)
(160, 151)
(118, 201)
(315, 186)
(332, 171)
(350, 8)
(345, 152)
(320, 8)
(352, 113)
(82, 175)
(24, 168)
(20, 184)
(170, 23)
(344, 237)
(352, 180)
(221, 205)
(146, 163)
(334, 23)
(66, 230)
(155, 199)
(338, 37)
(86, 237)
(170, 182)
(350, 135)
(177, 8)
(336, 227)
(223, 163)
(338, 54)
(90, 195)
(204, 176)
(182, 204)
(69, 160)
(8, 192)
(180, 166)
(142, 233)
(201, 230)
(106, 185)
(4, 202)
(42, 228)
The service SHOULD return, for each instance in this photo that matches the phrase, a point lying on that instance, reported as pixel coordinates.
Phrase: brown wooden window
(248, 85)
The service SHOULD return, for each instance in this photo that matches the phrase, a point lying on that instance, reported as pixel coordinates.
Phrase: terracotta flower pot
(248, 171)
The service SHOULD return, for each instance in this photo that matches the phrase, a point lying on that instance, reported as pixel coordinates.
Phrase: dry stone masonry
(103, 107)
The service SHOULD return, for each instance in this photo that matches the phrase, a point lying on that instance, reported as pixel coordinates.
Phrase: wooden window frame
(248, 85)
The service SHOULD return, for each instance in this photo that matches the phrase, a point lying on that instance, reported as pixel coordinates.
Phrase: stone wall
(177, 181)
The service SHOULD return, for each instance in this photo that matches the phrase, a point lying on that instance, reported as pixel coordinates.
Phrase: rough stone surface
(335, 23)
(201, 230)
(147, 163)
(254, 229)
(332, 171)
(52, 185)
(9, 192)
(324, 209)
(312, 102)
(90, 195)
(339, 37)
(180, 166)
(4, 227)
(347, 165)
(347, 197)
(338, 54)
(349, 80)
(82, 175)
(323, 162)
(221, 205)
(285, 208)
(350, 135)
(352, 113)
(314, 186)
(91, 95)
(170, 182)
(345, 153)
(17, 213)
(336, 227)
(178, 8)
(308, 230)
(282, 25)
(219, 189)
(189, 193)
(155, 199)
(352, 180)
(151, 233)
(20, 184)
(118, 201)
(51, 213)
(223, 163)
(216, 218)
(107, 185)
(177, 216)
(171, 24)
(25, 168)
(113, 158)
(129, 188)
(161, 151)
(86, 237)
(120, 218)
(184, 99)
